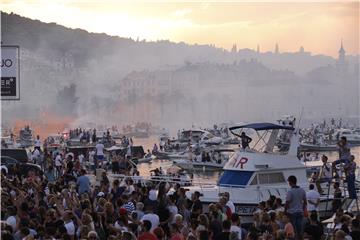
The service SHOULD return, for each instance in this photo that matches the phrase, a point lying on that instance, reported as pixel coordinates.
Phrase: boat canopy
(262, 126)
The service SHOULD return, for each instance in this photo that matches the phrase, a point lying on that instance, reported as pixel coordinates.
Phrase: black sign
(8, 86)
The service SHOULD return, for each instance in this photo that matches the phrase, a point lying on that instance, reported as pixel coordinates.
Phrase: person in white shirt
(325, 173)
(69, 224)
(150, 216)
(235, 226)
(81, 158)
(58, 164)
(199, 158)
(313, 199)
(99, 157)
(11, 220)
(173, 209)
(38, 143)
(128, 152)
(36, 155)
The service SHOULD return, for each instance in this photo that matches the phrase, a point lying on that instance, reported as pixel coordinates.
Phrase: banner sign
(10, 73)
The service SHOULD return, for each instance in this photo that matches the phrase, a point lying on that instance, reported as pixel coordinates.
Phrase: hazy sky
(318, 26)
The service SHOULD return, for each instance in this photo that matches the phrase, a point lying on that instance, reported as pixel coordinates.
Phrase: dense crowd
(66, 203)
(70, 206)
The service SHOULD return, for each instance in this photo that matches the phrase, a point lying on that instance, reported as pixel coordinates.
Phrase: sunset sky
(318, 26)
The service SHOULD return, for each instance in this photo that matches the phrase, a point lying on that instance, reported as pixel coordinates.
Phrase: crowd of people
(66, 203)
(70, 206)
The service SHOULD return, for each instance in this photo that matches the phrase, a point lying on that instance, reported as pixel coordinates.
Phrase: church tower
(276, 48)
(234, 49)
(341, 62)
(341, 54)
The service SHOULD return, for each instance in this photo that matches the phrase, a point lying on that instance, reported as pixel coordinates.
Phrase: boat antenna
(300, 117)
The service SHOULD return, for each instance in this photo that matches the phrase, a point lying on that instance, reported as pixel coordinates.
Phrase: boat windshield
(267, 141)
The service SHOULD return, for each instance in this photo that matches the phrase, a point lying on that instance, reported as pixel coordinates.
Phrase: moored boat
(254, 174)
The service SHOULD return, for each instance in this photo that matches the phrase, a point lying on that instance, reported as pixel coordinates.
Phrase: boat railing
(163, 178)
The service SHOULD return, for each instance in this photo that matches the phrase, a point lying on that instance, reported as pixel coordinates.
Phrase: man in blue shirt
(350, 169)
(295, 205)
(83, 183)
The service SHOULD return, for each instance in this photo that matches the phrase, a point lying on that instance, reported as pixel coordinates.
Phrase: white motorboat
(215, 160)
(254, 174)
(171, 155)
(137, 153)
(351, 136)
(309, 147)
(146, 159)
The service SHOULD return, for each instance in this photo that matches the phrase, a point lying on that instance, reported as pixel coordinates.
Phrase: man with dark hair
(225, 234)
(296, 205)
(83, 183)
(196, 207)
(344, 150)
(325, 174)
(146, 235)
(350, 169)
(245, 140)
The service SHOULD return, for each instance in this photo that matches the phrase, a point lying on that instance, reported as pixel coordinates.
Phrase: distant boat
(26, 138)
(308, 147)
(217, 161)
(352, 136)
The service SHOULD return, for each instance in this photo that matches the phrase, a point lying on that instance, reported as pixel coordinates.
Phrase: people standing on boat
(344, 150)
(93, 137)
(128, 152)
(199, 158)
(350, 169)
(36, 157)
(38, 143)
(245, 140)
(115, 164)
(99, 156)
(207, 157)
(344, 155)
(155, 149)
(313, 199)
(325, 174)
(295, 205)
(190, 154)
(58, 164)
(148, 154)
